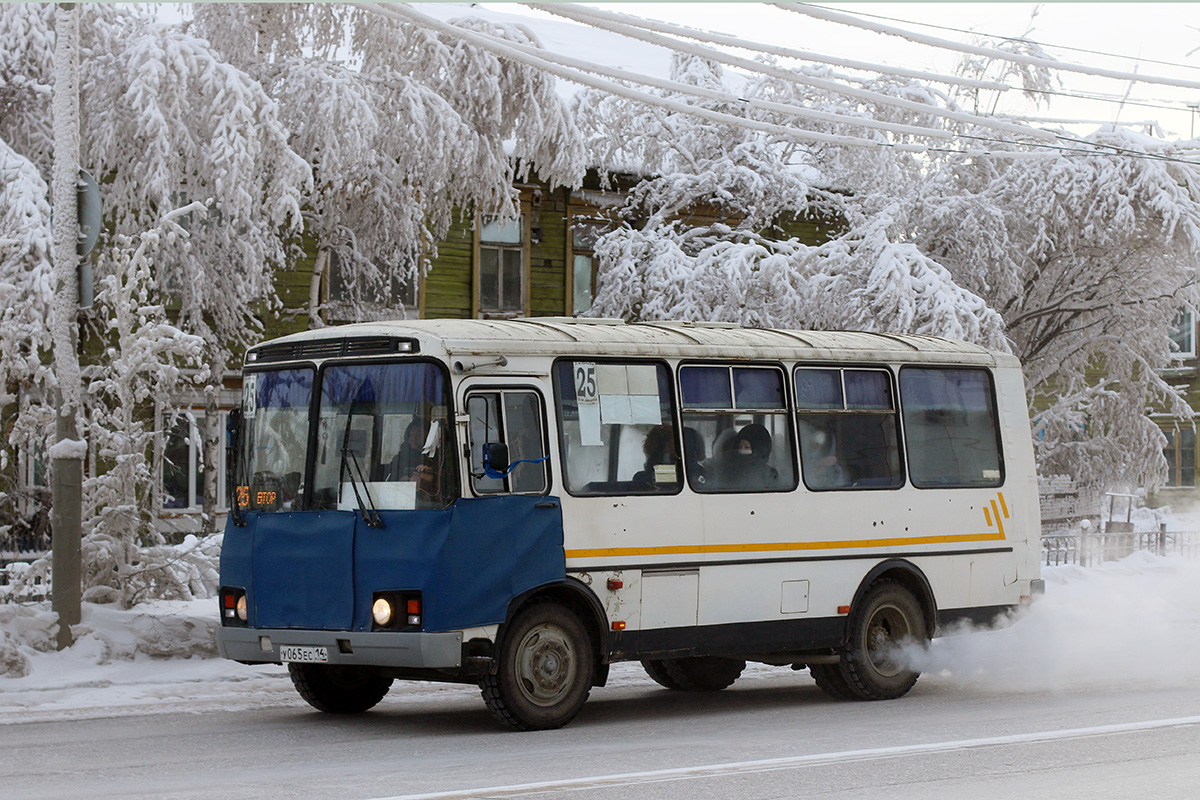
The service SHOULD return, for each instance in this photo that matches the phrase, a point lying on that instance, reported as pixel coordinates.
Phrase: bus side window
(737, 437)
(512, 418)
(848, 428)
(617, 428)
(951, 427)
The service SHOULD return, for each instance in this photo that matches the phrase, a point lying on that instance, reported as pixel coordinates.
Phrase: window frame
(559, 420)
(1188, 324)
(337, 304)
(786, 412)
(1174, 466)
(501, 389)
(996, 426)
(895, 412)
(194, 502)
(521, 248)
(596, 228)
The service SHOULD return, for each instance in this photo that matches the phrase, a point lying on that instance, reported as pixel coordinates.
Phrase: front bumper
(374, 649)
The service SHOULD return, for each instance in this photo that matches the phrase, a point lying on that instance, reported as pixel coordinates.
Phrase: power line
(649, 31)
(561, 66)
(990, 52)
(1020, 39)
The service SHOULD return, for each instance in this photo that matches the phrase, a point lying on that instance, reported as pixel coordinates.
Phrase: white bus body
(921, 511)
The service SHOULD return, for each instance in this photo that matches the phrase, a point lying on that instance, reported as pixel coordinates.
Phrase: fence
(1088, 547)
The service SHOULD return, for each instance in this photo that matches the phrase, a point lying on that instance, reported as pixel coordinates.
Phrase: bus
(519, 504)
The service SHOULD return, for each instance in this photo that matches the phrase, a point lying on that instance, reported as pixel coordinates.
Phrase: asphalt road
(772, 735)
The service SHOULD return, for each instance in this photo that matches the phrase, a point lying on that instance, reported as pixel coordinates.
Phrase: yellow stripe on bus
(1003, 505)
(768, 547)
(999, 524)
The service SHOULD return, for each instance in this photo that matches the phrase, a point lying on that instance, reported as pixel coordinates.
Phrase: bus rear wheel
(339, 688)
(701, 673)
(656, 668)
(544, 671)
(831, 681)
(886, 619)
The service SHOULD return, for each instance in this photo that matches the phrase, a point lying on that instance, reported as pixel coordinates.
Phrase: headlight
(241, 608)
(382, 611)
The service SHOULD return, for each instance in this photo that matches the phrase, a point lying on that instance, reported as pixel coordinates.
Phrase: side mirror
(495, 459)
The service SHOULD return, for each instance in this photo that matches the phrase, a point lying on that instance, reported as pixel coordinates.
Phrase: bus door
(506, 513)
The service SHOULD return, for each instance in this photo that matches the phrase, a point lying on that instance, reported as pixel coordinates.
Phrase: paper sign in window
(628, 394)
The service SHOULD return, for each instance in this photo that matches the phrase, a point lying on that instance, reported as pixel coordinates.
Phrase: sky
(1124, 37)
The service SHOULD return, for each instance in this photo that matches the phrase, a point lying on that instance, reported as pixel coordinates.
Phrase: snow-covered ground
(1135, 620)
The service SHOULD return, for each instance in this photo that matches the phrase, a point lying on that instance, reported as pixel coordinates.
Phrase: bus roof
(540, 336)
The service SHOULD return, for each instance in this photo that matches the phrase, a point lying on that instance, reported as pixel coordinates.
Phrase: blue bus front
(350, 542)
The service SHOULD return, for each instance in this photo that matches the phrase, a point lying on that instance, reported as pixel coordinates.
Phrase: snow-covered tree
(743, 269)
(426, 125)
(124, 557)
(165, 121)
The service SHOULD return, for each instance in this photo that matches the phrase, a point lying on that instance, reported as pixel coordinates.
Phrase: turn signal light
(843, 609)
(619, 625)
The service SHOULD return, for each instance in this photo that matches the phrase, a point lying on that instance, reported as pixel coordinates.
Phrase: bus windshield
(383, 429)
(276, 407)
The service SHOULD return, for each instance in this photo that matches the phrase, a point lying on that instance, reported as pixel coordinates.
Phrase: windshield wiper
(371, 516)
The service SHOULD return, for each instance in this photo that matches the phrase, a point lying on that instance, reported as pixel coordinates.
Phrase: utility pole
(67, 454)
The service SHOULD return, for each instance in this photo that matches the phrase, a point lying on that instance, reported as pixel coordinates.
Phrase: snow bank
(106, 634)
(1132, 621)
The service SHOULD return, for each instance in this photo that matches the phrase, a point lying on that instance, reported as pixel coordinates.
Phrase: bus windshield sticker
(250, 395)
(587, 398)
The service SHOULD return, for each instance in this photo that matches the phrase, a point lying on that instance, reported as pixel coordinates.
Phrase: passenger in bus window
(662, 461)
(744, 463)
(693, 458)
(818, 451)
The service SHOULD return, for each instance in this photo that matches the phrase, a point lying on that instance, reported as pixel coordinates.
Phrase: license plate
(303, 655)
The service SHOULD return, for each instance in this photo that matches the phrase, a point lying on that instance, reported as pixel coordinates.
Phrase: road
(772, 735)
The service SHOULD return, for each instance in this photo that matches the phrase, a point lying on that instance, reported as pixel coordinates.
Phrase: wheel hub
(887, 630)
(546, 669)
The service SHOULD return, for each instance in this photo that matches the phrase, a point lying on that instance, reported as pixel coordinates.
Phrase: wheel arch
(578, 597)
(909, 576)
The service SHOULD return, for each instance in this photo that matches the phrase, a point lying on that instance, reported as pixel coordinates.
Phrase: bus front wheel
(339, 688)
(544, 670)
(886, 619)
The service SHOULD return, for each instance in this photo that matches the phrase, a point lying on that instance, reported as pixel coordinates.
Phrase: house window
(502, 267)
(1180, 453)
(583, 239)
(1183, 334)
(183, 465)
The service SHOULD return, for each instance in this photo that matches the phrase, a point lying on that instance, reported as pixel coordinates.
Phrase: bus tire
(544, 670)
(656, 668)
(703, 673)
(339, 688)
(887, 616)
(830, 680)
